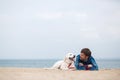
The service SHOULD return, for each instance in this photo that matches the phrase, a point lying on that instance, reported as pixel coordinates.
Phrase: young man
(85, 61)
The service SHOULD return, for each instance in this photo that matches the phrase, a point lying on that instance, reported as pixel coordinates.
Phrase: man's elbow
(94, 68)
(77, 66)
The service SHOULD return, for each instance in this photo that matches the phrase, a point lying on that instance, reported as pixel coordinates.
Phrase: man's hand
(90, 65)
(81, 64)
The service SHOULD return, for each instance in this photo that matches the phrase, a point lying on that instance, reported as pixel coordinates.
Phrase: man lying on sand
(84, 61)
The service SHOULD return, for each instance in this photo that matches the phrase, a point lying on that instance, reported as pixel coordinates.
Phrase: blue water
(103, 64)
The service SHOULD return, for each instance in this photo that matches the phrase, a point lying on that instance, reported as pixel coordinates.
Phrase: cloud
(42, 16)
(89, 33)
(59, 15)
(49, 15)
(29, 27)
(109, 32)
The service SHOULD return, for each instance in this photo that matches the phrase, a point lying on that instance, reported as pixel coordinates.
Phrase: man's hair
(86, 51)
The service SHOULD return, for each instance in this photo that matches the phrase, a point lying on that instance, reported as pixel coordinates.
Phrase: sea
(48, 63)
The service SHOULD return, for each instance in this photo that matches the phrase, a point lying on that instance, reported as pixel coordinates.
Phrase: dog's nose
(74, 56)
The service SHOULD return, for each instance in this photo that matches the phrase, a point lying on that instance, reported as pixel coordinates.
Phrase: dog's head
(69, 57)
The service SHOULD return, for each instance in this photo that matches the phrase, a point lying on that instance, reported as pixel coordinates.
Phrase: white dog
(66, 64)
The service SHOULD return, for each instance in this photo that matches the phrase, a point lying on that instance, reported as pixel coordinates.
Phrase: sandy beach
(46, 74)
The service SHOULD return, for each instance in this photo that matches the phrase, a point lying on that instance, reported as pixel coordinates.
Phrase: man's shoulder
(91, 58)
(78, 55)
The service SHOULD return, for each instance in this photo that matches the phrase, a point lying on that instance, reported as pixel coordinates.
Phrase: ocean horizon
(47, 63)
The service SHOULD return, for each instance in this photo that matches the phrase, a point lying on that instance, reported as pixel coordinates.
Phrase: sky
(49, 29)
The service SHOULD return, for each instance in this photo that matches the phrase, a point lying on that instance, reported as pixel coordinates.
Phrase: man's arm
(94, 64)
(77, 64)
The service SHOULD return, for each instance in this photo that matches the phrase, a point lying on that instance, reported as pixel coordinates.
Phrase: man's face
(83, 57)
